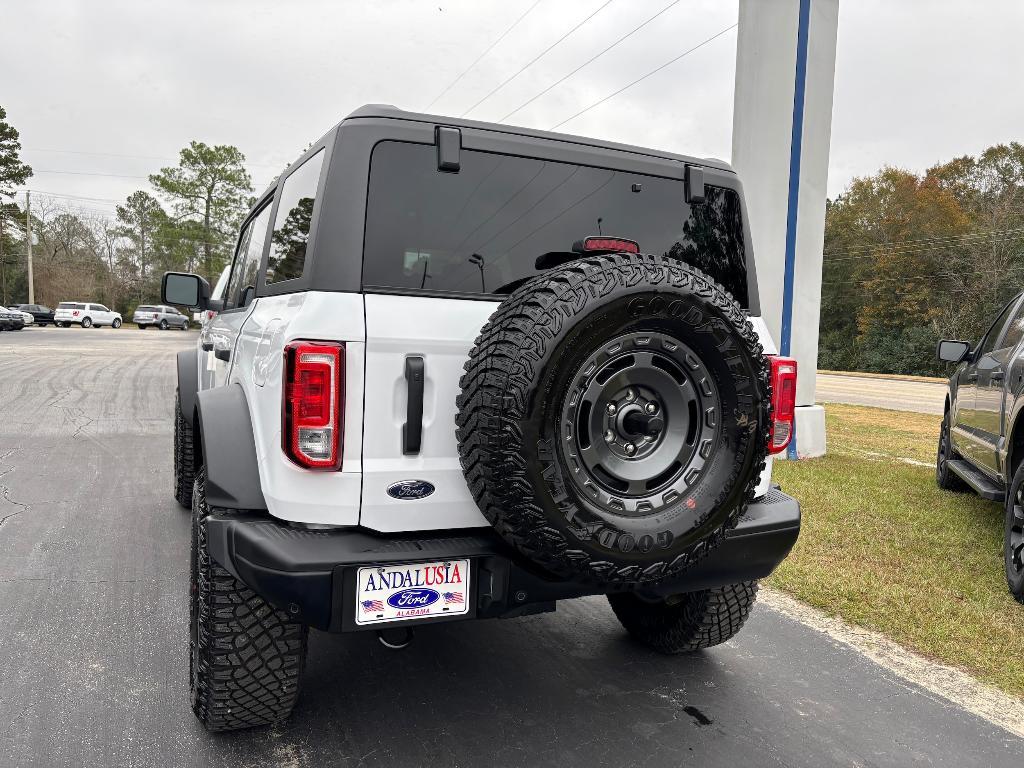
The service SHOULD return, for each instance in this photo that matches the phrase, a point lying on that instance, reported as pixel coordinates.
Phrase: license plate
(412, 591)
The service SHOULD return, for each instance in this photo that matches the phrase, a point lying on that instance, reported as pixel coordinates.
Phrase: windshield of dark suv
(483, 229)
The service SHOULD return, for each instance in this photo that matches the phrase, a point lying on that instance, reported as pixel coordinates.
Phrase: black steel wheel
(945, 478)
(640, 423)
(1013, 545)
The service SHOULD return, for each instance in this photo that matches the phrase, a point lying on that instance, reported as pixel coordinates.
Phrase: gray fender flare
(188, 382)
(229, 449)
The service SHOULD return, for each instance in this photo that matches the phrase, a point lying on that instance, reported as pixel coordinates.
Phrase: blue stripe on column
(796, 143)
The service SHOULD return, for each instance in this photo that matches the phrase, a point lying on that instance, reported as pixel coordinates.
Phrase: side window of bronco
(242, 284)
(294, 215)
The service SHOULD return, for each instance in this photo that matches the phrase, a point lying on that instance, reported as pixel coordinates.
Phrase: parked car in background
(981, 441)
(26, 317)
(43, 315)
(163, 317)
(85, 314)
(10, 321)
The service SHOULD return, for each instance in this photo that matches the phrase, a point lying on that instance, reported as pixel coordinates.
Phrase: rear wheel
(86, 322)
(1013, 545)
(944, 477)
(245, 656)
(686, 622)
(163, 325)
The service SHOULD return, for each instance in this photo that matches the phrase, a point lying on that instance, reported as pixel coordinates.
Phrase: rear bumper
(311, 574)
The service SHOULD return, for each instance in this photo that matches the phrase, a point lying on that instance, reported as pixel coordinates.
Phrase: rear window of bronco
(482, 230)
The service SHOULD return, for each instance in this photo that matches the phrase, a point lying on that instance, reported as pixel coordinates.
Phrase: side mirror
(949, 351)
(185, 290)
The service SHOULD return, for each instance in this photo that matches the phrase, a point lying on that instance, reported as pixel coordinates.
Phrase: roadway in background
(879, 392)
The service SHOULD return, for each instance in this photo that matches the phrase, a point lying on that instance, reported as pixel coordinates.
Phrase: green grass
(884, 548)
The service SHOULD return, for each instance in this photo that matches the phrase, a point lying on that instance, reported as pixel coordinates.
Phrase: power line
(536, 58)
(930, 276)
(87, 173)
(76, 197)
(589, 61)
(992, 238)
(135, 157)
(480, 57)
(924, 242)
(626, 87)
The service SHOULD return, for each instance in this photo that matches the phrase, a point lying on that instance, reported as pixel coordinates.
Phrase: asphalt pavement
(93, 637)
(892, 393)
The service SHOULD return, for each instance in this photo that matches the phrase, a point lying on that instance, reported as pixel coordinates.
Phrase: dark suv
(43, 315)
(981, 443)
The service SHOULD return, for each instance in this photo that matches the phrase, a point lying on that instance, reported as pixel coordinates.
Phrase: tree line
(908, 258)
(911, 258)
(187, 220)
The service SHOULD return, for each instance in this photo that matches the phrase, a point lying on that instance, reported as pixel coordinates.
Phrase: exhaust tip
(395, 639)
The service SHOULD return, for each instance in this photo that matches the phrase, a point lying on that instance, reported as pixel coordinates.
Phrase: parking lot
(93, 585)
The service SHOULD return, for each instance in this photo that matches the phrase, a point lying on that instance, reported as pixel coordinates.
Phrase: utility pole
(28, 239)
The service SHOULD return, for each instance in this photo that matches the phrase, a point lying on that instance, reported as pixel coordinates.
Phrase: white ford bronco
(464, 371)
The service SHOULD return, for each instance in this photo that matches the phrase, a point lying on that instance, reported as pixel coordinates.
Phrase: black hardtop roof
(392, 112)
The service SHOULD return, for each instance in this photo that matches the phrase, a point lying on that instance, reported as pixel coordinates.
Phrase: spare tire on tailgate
(613, 418)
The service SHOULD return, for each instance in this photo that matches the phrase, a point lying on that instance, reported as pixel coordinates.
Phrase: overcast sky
(917, 81)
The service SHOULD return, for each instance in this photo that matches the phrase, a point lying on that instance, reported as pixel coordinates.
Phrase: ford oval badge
(417, 597)
(410, 489)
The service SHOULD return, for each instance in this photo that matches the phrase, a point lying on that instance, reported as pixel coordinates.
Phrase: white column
(782, 125)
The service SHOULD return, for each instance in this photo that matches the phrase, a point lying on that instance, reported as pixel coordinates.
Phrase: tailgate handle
(997, 375)
(412, 430)
(206, 345)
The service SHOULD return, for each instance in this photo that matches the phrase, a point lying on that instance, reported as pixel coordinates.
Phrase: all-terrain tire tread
(700, 620)
(248, 656)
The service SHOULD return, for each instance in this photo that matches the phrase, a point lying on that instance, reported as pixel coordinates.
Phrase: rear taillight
(783, 402)
(314, 400)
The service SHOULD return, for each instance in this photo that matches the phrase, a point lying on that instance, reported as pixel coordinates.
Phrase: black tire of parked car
(1013, 542)
(944, 477)
(593, 326)
(163, 325)
(184, 456)
(143, 327)
(687, 622)
(86, 322)
(245, 656)
(116, 323)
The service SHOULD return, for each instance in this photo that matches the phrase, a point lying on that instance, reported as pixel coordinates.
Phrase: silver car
(161, 316)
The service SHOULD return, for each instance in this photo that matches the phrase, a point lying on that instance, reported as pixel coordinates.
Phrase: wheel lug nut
(630, 449)
(612, 409)
(651, 408)
(609, 436)
(630, 395)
